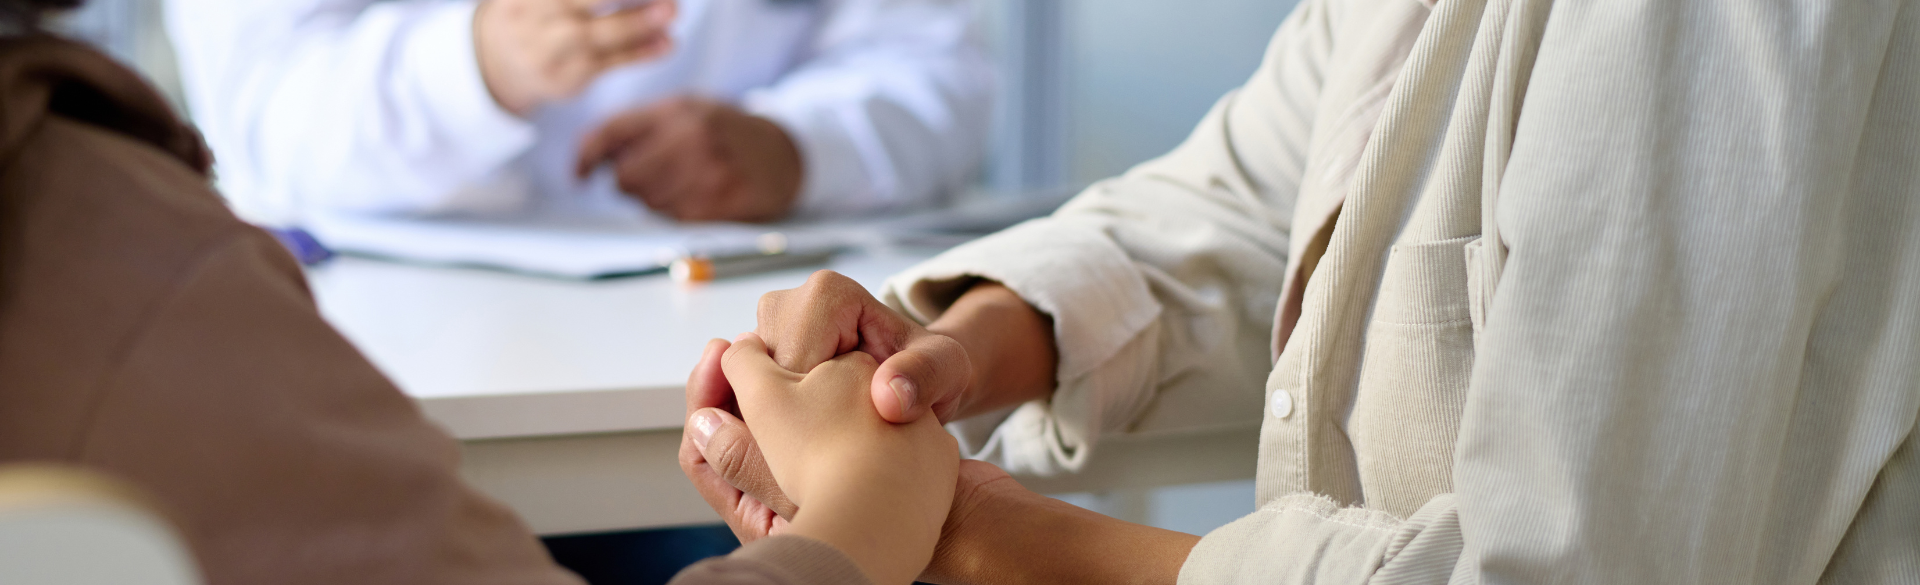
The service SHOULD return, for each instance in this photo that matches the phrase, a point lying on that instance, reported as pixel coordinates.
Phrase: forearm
(1010, 344)
(1037, 539)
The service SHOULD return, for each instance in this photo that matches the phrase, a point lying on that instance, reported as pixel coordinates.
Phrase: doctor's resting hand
(877, 491)
(535, 51)
(696, 159)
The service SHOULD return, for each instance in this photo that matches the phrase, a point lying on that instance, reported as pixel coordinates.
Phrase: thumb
(928, 375)
(731, 452)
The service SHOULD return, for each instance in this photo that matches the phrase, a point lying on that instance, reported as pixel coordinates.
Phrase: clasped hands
(825, 422)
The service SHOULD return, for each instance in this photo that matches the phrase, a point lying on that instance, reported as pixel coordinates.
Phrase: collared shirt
(1607, 293)
(361, 106)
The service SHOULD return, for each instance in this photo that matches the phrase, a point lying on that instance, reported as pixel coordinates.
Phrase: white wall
(1141, 73)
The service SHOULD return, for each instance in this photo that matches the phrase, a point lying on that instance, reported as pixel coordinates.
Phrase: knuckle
(769, 309)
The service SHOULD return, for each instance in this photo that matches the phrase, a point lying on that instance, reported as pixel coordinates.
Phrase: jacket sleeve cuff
(1104, 317)
(1307, 538)
(841, 170)
(780, 560)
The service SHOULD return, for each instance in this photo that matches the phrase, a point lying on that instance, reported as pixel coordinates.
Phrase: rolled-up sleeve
(1163, 280)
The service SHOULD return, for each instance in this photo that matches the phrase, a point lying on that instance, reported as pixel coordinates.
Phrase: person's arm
(364, 106)
(1009, 344)
(1003, 533)
(1159, 283)
(280, 449)
(889, 106)
(1680, 370)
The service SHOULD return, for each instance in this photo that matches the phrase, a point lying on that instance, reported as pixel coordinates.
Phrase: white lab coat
(360, 106)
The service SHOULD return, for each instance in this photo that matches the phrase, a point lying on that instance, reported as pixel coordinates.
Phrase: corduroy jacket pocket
(1413, 376)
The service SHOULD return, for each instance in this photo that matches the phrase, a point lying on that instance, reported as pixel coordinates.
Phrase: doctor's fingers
(616, 37)
(646, 168)
(693, 186)
(614, 136)
(731, 452)
(721, 197)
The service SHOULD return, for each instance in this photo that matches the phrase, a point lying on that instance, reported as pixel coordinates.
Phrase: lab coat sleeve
(889, 106)
(1160, 282)
(1696, 364)
(344, 105)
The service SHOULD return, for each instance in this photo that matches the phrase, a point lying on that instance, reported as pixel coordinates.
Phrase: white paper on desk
(565, 247)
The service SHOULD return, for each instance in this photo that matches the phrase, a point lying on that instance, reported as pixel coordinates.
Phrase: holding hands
(877, 491)
(846, 341)
(869, 472)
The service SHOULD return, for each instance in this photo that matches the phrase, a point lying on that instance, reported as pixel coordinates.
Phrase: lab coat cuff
(1102, 314)
(1308, 538)
(443, 60)
(836, 177)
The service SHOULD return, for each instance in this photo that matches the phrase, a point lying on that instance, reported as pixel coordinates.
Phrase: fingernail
(903, 391)
(703, 425)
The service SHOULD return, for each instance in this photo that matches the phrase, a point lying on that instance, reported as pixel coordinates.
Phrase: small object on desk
(703, 269)
(303, 245)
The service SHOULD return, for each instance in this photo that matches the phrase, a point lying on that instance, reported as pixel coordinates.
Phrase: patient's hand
(696, 159)
(876, 490)
(721, 457)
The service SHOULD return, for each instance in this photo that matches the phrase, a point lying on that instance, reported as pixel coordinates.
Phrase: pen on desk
(703, 269)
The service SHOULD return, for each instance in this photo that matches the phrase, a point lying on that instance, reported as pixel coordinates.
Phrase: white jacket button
(1282, 403)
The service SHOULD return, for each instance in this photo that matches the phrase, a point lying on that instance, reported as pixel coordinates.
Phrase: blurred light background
(1090, 88)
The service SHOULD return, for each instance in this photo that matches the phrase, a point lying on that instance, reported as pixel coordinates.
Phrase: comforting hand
(695, 159)
(876, 490)
(920, 371)
(535, 51)
(720, 455)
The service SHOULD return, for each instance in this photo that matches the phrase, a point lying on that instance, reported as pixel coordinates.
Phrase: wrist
(1009, 344)
(884, 529)
(1032, 538)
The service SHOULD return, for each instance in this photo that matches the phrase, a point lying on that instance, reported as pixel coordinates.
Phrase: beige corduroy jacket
(1562, 291)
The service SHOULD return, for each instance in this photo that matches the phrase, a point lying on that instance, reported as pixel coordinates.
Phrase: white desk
(569, 396)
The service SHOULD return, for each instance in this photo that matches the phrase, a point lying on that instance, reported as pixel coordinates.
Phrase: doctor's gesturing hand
(535, 51)
(696, 159)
